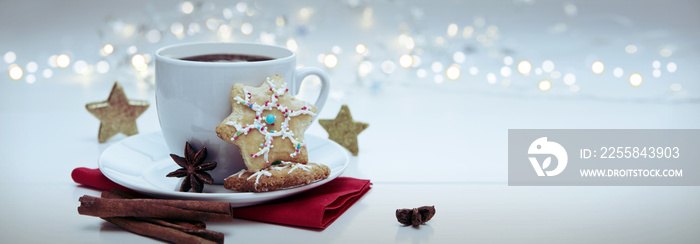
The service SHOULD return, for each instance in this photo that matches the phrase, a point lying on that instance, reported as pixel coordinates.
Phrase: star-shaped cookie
(344, 130)
(267, 124)
(117, 114)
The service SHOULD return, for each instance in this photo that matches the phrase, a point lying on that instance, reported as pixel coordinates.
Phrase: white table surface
(45, 132)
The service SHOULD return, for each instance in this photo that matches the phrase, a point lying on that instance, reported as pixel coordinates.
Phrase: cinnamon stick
(206, 234)
(117, 194)
(181, 220)
(161, 232)
(214, 207)
(155, 208)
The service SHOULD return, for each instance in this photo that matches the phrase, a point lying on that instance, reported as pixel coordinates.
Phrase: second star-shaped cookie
(267, 124)
(344, 130)
(117, 114)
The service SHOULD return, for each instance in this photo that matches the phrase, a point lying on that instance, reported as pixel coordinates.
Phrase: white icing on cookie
(265, 172)
(259, 124)
(257, 176)
(302, 166)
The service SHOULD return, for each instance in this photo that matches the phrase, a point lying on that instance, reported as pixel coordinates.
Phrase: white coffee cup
(193, 97)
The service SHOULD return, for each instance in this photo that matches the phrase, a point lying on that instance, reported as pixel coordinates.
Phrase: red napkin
(94, 178)
(315, 208)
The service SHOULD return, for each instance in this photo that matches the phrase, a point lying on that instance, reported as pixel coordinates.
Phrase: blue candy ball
(270, 119)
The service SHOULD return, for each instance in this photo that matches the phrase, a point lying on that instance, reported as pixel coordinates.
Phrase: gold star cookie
(267, 124)
(117, 114)
(344, 130)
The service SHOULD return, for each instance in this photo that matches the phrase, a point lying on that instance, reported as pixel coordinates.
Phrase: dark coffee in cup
(226, 57)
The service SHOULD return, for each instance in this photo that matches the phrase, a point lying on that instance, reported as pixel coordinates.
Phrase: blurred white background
(440, 83)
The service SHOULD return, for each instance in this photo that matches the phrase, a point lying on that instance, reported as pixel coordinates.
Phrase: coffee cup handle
(302, 73)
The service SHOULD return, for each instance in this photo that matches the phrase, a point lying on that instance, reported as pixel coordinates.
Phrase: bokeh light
(330, 61)
(365, 68)
(452, 30)
(598, 67)
(421, 73)
(671, 67)
(635, 79)
(548, 66)
(225, 32)
(102, 67)
(80, 67)
(305, 13)
(47, 73)
(388, 67)
(187, 7)
(473, 70)
(666, 52)
(280, 21)
(107, 49)
(407, 41)
(246, 28)
(62, 61)
(618, 72)
(241, 7)
(524, 67)
(138, 61)
(153, 36)
(569, 79)
(131, 50)
(15, 72)
(506, 71)
(467, 32)
(508, 60)
(10, 57)
(436, 67)
(268, 38)
(555, 74)
(491, 78)
(51, 61)
(292, 45)
(544, 85)
(675, 87)
(361, 49)
(193, 28)
(212, 24)
(570, 9)
(337, 49)
(227, 13)
(417, 61)
(453, 72)
(30, 79)
(406, 61)
(177, 29)
(32, 67)
(631, 49)
(459, 57)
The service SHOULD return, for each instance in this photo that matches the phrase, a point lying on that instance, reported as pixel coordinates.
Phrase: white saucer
(141, 162)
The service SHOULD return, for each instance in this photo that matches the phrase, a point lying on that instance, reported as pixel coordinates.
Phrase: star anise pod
(193, 167)
(416, 216)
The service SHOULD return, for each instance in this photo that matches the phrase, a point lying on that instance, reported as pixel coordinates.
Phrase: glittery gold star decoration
(344, 130)
(117, 114)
